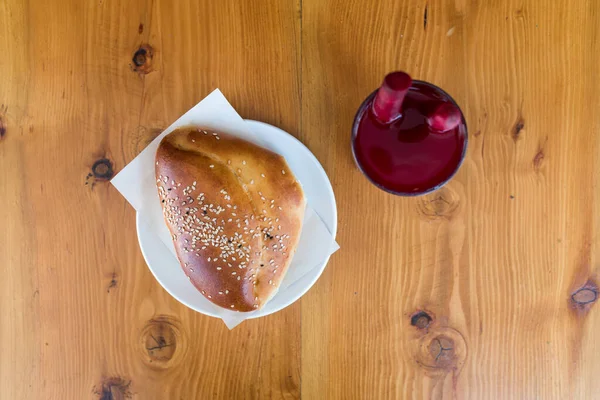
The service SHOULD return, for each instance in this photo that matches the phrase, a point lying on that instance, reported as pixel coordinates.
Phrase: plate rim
(321, 268)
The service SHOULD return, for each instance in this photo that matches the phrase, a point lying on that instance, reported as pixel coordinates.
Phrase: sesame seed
(234, 273)
(263, 175)
(228, 162)
(270, 282)
(239, 171)
(214, 134)
(218, 138)
(238, 278)
(243, 162)
(219, 268)
(226, 291)
(252, 181)
(220, 292)
(194, 140)
(212, 166)
(209, 296)
(232, 306)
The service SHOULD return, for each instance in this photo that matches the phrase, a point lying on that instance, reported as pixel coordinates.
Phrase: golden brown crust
(235, 211)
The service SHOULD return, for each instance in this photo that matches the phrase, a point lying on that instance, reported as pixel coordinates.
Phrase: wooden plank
(81, 311)
(504, 259)
(495, 256)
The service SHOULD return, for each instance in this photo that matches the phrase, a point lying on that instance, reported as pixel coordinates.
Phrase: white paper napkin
(137, 184)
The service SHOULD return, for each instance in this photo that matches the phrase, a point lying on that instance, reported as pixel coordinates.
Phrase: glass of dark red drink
(409, 137)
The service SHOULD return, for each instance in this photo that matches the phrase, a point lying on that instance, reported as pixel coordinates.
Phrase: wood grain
(484, 289)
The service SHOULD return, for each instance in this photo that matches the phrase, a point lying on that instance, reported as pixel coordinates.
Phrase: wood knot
(161, 343)
(441, 350)
(421, 320)
(3, 111)
(537, 160)
(142, 59)
(113, 388)
(442, 204)
(516, 131)
(113, 282)
(102, 169)
(584, 298)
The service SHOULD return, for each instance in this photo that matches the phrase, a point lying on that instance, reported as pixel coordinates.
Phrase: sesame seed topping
(243, 162)
(232, 306)
(263, 175)
(283, 172)
(212, 166)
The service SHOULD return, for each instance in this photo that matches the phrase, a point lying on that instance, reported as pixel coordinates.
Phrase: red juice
(408, 156)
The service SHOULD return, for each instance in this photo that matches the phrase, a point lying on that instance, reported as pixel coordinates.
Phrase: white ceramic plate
(319, 194)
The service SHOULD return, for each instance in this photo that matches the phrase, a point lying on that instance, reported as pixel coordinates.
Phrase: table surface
(501, 263)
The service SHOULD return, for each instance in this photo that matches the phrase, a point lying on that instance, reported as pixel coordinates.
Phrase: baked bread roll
(234, 211)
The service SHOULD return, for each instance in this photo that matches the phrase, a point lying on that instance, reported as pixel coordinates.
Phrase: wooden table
(484, 289)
